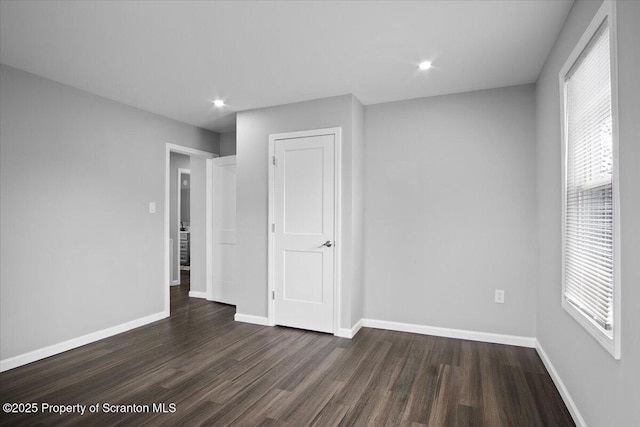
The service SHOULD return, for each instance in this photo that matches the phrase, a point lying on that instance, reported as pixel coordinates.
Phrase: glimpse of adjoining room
(180, 220)
(185, 227)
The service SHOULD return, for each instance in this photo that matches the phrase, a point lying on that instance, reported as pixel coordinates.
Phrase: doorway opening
(187, 214)
(183, 216)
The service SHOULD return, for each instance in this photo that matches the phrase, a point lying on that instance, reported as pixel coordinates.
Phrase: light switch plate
(152, 207)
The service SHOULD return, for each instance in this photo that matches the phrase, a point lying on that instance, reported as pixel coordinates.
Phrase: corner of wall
(357, 213)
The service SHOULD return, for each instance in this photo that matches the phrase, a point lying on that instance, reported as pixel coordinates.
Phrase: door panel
(303, 183)
(302, 277)
(304, 217)
(224, 230)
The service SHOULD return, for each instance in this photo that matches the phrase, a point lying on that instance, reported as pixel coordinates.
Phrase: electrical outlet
(500, 296)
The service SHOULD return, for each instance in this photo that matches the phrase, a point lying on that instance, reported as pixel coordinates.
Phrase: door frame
(192, 152)
(337, 285)
(181, 171)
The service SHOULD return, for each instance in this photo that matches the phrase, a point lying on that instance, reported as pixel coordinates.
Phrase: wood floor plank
(219, 372)
(331, 415)
(267, 405)
(448, 388)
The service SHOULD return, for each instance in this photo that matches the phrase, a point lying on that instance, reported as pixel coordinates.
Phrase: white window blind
(588, 245)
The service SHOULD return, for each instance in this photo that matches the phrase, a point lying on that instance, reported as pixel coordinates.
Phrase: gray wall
(185, 201)
(450, 211)
(79, 250)
(604, 390)
(228, 144)
(357, 218)
(253, 130)
(176, 161)
(198, 225)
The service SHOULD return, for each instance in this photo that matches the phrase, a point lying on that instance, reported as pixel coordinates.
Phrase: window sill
(604, 338)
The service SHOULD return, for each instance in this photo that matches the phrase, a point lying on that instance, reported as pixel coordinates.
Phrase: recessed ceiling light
(218, 103)
(425, 65)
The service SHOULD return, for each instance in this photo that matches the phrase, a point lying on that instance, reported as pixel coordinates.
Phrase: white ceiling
(173, 58)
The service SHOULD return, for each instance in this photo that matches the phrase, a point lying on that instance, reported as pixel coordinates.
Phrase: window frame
(609, 340)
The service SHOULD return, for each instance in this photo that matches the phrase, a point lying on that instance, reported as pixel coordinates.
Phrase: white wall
(605, 391)
(79, 250)
(450, 211)
(253, 130)
(228, 144)
(176, 161)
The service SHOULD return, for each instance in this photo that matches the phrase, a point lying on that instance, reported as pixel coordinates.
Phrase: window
(590, 291)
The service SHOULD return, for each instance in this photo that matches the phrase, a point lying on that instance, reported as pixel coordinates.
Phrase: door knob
(327, 244)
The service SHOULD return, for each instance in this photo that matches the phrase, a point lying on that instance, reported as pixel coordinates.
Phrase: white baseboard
(196, 294)
(175, 282)
(350, 333)
(32, 356)
(564, 393)
(451, 333)
(256, 320)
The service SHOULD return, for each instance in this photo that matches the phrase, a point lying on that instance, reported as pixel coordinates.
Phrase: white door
(224, 266)
(303, 240)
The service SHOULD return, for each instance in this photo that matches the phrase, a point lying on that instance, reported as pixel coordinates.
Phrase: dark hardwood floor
(220, 372)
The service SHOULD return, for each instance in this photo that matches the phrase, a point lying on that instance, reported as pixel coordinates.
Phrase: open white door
(224, 267)
(303, 231)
